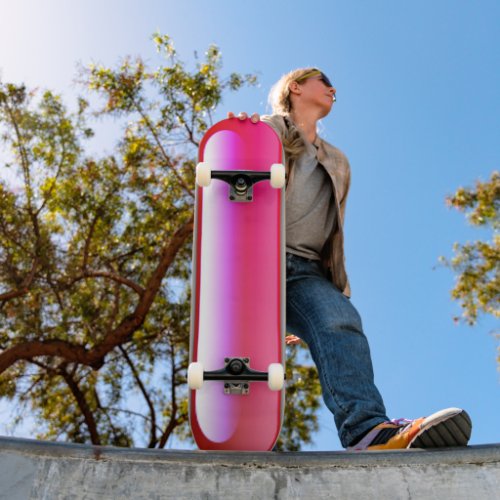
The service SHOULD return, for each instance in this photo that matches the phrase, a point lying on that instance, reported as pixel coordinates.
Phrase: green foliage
(95, 254)
(477, 264)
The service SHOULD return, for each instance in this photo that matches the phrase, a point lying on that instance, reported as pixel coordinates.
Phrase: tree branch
(152, 440)
(24, 288)
(173, 422)
(89, 238)
(114, 277)
(98, 213)
(191, 134)
(160, 146)
(27, 177)
(5, 231)
(122, 333)
(82, 404)
(53, 184)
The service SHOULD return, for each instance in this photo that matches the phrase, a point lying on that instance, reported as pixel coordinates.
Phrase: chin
(325, 111)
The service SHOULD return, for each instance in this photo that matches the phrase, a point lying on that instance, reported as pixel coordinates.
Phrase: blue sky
(418, 115)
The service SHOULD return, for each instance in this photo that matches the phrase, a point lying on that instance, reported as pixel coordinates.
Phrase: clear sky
(418, 115)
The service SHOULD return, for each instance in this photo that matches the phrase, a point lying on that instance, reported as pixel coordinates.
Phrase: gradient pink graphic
(238, 293)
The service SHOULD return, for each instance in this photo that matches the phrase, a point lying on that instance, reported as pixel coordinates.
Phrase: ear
(294, 88)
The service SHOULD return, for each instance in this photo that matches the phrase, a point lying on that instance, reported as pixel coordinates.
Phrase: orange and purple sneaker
(450, 427)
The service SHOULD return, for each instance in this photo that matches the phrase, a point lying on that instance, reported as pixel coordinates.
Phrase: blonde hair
(279, 96)
(281, 104)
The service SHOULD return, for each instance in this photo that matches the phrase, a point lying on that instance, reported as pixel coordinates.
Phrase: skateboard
(237, 338)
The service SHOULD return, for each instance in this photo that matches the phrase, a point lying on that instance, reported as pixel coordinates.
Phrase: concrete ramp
(35, 469)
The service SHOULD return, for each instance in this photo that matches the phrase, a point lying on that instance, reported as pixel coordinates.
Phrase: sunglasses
(316, 72)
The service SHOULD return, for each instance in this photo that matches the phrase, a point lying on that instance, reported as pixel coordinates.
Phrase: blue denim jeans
(325, 319)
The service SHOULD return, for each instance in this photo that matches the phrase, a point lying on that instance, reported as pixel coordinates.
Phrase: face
(316, 90)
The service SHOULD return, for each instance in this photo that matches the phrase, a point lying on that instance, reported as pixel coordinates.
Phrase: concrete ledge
(36, 469)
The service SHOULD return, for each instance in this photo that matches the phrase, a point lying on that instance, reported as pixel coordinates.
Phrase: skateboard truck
(237, 376)
(240, 182)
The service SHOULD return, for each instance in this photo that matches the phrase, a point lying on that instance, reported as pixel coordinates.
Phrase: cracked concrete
(39, 470)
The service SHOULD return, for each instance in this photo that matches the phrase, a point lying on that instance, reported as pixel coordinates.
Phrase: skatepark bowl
(32, 469)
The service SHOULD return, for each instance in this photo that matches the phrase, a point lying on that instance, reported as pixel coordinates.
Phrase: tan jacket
(337, 166)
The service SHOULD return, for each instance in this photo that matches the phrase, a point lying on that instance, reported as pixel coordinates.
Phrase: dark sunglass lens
(326, 80)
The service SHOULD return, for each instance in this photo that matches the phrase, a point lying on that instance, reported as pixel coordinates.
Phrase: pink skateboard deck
(238, 291)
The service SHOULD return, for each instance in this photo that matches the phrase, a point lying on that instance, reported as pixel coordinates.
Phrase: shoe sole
(451, 427)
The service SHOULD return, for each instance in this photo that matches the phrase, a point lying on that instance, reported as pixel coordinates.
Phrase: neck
(307, 121)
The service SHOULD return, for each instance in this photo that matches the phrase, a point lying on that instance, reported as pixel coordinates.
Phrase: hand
(243, 116)
(292, 340)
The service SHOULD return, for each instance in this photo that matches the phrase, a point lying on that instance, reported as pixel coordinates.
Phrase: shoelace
(401, 421)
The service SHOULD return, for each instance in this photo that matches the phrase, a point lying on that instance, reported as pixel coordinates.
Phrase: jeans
(325, 319)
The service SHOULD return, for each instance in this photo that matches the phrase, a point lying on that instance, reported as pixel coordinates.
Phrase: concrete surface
(42, 470)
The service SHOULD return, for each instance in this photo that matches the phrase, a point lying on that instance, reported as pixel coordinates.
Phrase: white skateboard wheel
(275, 376)
(195, 376)
(277, 175)
(203, 174)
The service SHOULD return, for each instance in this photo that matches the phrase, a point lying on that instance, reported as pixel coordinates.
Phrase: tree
(477, 264)
(95, 253)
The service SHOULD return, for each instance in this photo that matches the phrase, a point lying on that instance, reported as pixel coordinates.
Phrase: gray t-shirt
(310, 207)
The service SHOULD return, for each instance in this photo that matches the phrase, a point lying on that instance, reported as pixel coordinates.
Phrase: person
(318, 306)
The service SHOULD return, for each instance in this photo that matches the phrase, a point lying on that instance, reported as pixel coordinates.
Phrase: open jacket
(337, 166)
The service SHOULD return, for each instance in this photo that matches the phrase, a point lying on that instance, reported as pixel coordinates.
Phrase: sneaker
(450, 427)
